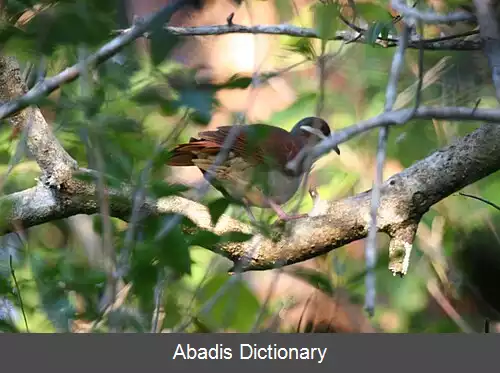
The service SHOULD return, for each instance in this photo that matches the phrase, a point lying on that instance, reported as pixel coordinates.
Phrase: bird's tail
(183, 154)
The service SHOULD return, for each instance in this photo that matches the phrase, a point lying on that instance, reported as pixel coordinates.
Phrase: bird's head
(314, 130)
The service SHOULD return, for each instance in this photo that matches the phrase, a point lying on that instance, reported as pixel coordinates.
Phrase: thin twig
(303, 32)
(418, 97)
(446, 306)
(303, 313)
(126, 36)
(107, 231)
(159, 289)
(139, 196)
(18, 293)
(289, 30)
(371, 241)
(210, 267)
(270, 293)
(480, 199)
(393, 118)
(431, 17)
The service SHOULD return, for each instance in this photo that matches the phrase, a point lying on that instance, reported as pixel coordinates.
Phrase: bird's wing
(257, 143)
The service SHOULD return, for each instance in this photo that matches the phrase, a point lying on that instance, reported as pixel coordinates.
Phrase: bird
(254, 171)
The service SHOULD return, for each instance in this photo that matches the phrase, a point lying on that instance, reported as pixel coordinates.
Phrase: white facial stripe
(314, 131)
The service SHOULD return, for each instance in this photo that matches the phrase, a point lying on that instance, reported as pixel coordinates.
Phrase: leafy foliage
(235, 308)
(122, 119)
(326, 17)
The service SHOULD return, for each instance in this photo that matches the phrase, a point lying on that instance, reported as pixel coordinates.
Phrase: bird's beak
(320, 134)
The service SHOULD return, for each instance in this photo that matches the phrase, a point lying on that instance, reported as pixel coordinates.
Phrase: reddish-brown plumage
(254, 171)
(258, 143)
(183, 154)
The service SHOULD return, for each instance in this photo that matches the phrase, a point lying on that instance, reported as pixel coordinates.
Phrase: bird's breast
(282, 187)
(254, 184)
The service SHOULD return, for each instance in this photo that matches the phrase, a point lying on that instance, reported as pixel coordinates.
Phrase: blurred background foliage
(122, 117)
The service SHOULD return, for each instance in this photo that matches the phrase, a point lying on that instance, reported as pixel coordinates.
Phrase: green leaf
(236, 308)
(209, 240)
(119, 159)
(157, 95)
(119, 124)
(235, 237)
(379, 28)
(170, 250)
(204, 238)
(6, 206)
(143, 274)
(162, 43)
(304, 47)
(372, 12)
(173, 313)
(47, 271)
(217, 209)
(161, 158)
(285, 10)
(15, 9)
(7, 327)
(236, 82)
(163, 189)
(373, 32)
(91, 104)
(315, 278)
(5, 284)
(17, 42)
(150, 256)
(175, 251)
(201, 100)
(326, 16)
(202, 327)
(71, 24)
(59, 275)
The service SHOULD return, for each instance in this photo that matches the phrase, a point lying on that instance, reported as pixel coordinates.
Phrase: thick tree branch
(56, 164)
(405, 197)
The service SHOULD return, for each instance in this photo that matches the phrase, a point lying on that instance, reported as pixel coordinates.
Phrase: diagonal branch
(46, 86)
(371, 242)
(392, 118)
(56, 164)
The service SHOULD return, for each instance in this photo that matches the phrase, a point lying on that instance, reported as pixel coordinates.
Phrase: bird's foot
(282, 215)
(288, 217)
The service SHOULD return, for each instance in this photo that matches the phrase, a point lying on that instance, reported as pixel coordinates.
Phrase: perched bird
(254, 170)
